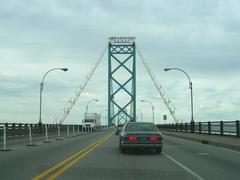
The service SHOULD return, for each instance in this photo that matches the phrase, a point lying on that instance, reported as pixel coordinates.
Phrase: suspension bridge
(62, 151)
(122, 55)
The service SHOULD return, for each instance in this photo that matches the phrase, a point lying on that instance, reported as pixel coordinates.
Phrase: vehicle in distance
(92, 120)
(140, 135)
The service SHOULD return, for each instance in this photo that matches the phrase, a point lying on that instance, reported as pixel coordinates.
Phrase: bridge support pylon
(121, 79)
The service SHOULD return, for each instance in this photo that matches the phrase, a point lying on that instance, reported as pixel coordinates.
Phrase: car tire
(158, 150)
(122, 150)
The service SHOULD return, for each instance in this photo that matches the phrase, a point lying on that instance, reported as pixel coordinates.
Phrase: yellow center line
(47, 172)
(71, 163)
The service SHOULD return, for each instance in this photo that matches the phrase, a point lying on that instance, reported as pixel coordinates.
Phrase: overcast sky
(201, 37)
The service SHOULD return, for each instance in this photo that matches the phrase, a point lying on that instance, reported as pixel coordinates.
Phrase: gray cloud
(201, 37)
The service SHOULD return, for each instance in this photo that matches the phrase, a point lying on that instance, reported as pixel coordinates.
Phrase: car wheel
(122, 150)
(158, 150)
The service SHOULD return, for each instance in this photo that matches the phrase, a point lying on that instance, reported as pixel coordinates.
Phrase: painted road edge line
(71, 163)
(184, 167)
(54, 167)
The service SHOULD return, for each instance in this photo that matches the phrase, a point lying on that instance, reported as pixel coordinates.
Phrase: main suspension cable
(171, 108)
(72, 101)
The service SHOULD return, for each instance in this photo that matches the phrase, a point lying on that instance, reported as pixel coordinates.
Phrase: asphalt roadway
(96, 156)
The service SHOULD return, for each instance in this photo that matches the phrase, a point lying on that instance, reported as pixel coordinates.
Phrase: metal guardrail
(18, 130)
(223, 128)
(21, 129)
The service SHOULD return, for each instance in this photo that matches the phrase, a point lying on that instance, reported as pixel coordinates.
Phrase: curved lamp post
(41, 89)
(141, 114)
(152, 107)
(190, 87)
(93, 100)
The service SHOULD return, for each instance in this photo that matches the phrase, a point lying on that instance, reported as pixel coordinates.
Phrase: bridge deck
(181, 159)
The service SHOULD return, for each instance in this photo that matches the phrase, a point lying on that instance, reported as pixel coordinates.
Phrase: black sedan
(140, 135)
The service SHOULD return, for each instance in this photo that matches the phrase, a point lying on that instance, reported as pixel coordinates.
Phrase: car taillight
(153, 138)
(132, 138)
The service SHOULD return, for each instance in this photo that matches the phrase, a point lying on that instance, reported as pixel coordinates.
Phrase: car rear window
(141, 127)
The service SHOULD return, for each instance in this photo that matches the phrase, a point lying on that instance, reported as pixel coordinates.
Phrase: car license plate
(143, 138)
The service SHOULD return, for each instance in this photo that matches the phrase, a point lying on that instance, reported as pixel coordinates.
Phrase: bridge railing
(223, 128)
(22, 129)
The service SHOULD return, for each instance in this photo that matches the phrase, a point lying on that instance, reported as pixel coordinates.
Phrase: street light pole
(152, 108)
(89, 103)
(190, 87)
(141, 114)
(41, 90)
(106, 115)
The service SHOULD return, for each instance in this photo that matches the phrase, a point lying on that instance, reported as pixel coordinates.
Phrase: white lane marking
(202, 154)
(230, 150)
(184, 167)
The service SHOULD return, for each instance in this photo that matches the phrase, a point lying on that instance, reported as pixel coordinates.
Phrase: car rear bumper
(139, 146)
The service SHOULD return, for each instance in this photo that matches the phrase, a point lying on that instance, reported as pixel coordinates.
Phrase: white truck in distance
(92, 120)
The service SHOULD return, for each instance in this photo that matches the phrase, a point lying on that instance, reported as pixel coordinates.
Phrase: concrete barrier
(230, 142)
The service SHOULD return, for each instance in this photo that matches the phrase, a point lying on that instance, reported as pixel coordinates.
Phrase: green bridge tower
(121, 79)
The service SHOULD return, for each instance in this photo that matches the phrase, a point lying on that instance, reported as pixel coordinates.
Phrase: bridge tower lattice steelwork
(122, 118)
(121, 78)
